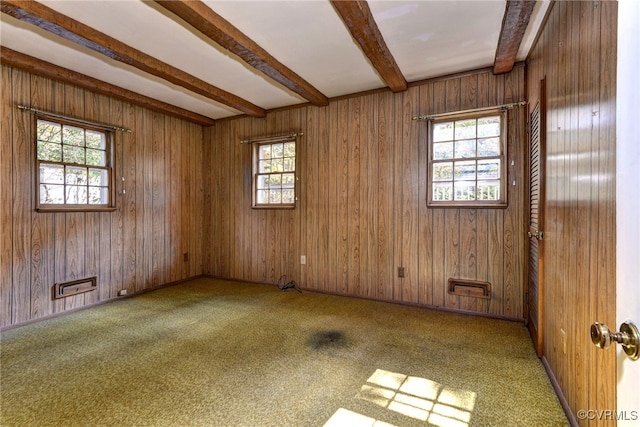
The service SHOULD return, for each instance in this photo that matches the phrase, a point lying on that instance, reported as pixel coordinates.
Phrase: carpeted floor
(219, 353)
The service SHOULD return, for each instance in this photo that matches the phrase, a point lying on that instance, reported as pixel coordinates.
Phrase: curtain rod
(497, 107)
(71, 119)
(271, 138)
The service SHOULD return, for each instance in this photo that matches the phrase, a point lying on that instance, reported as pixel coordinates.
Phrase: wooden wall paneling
(197, 267)
(309, 201)
(440, 276)
(425, 215)
(333, 173)
(606, 67)
(386, 176)
(369, 197)
(353, 197)
(42, 262)
(174, 217)
(398, 208)
(146, 177)
(324, 177)
(130, 209)
(59, 218)
(22, 158)
(482, 215)
(293, 236)
(158, 213)
(367, 213)
(7, 111)
(341, 204)
(186, 196)
(117, 217)
(139, 142)
(207, 177)
(410, 197)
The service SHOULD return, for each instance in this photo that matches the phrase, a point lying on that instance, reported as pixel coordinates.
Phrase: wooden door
(535, 307)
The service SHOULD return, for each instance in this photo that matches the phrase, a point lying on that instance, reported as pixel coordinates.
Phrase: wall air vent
(75, 287)
(469, 288)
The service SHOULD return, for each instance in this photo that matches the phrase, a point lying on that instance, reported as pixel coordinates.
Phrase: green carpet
(219, 353)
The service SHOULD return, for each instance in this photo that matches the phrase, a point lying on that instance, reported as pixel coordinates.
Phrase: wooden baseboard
(573, 421)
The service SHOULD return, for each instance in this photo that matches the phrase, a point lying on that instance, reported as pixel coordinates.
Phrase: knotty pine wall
(362, 209)
(576, 52)
(139, 246)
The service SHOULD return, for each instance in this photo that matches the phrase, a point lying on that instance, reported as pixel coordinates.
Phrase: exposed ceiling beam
(46, 69)
(202, 18)
(363, 28)
(48, 19)
(514, 24)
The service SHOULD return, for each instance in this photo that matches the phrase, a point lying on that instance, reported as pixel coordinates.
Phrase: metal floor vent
(74, 287)
(469, 288)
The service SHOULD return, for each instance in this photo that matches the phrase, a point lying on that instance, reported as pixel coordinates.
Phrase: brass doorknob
(628, 337)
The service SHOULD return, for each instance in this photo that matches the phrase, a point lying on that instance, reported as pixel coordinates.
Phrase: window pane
(465, 171)
(76, 176)
(277, 150)
(262, 196)
(443, 132)
(465, 129)
(96, 157)
(289, 164)
(51, 174)
(96, 140)
(489, 126)
(51, 194)
(49, 132)
(489, 169)
(290, 149)
(264, 152)
(465, 149)
(73, 136)
(465, 190)
(262, 182)
(277, 165)
(275, 196)
(489, 147)
(72, 154)
(264, 166)
(276, 181)
(443, 171)
(288, 196)
(76, 194)
(49, 151)
(488, 190)
(99, 177)
(98, 195)
(443, 151)
(288, 179)
(443, 191)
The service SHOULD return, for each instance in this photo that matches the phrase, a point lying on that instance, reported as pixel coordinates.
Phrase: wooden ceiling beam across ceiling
(215, 27)
(61, 25)
(46, 69)
(514, 24)
(359, 20)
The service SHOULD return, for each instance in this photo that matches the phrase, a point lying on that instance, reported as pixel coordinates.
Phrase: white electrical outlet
(122, 292)
(303, 259)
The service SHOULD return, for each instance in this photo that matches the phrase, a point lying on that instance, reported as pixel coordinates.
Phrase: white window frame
(501, 202)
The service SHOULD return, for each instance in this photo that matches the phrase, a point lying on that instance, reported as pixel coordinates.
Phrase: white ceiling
(426, 38)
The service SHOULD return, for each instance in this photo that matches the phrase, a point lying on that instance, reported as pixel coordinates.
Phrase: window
(274, 174)
(74, 170)
(467, 160)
